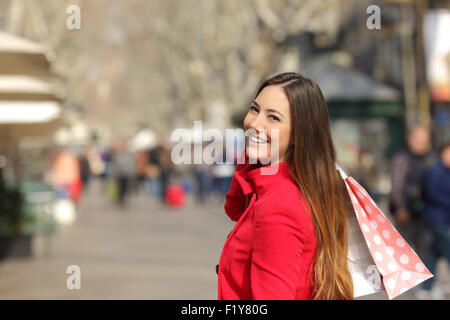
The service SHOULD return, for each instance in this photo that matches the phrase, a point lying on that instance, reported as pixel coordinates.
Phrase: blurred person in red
(65, 175)
(407, 204)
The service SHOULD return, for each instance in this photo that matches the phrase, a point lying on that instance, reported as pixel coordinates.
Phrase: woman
(279, 247)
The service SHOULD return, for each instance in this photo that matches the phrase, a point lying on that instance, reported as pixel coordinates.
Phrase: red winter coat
(269, 253)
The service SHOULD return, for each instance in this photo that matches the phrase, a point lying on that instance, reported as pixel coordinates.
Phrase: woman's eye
(253, 108)
(274, 118)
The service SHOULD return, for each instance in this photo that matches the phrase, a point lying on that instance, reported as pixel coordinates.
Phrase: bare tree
(168, 63)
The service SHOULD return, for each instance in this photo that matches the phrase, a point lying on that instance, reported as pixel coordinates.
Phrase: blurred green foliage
(14, 218)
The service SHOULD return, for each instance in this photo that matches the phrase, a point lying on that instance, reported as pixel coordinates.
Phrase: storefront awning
(22, 56)
(19, 112)
(30, 104)
(340, 83)
(22, 87)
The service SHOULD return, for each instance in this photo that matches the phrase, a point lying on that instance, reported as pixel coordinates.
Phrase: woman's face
(268, 115)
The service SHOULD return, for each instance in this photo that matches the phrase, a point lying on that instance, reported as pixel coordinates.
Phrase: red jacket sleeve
(276, 256)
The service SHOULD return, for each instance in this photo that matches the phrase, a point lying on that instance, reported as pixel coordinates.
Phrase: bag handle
(343, 174)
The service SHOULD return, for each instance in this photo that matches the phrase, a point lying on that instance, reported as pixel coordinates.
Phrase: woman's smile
(257, 141)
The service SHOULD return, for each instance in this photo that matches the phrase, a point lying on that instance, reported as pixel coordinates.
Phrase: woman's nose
(257, 125)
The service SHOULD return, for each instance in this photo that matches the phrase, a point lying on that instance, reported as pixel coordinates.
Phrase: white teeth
(257, 140)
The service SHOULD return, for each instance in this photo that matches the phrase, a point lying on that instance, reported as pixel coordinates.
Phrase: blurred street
(144, 252)
(122, 123)
(147, 251)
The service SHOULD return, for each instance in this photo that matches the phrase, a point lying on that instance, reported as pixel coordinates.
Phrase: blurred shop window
(361, 147)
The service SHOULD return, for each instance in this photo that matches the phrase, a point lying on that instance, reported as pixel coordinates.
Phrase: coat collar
(257, 178)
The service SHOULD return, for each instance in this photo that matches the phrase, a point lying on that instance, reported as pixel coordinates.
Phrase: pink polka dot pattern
(402, 268)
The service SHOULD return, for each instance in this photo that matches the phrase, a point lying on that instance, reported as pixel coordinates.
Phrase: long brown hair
(312, 159)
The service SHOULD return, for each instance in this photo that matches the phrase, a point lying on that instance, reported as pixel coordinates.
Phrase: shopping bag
(365, 275)
(399, 266)
(175, 196)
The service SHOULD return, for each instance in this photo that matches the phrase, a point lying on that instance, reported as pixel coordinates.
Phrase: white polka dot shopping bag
(381, 259)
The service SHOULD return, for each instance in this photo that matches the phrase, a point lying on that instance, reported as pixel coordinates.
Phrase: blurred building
(30, 99)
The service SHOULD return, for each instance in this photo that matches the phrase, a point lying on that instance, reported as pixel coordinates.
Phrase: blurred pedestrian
(222, 173)
(142, 163)
(106, 157)
(202, 178)
(124, 169)
(408, 169)
(160, 169)
(437, 218)
(85, 169)
(203, 182)
(166, 170)
(154, 170)
(65, 175)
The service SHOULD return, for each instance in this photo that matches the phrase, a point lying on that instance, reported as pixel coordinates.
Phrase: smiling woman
(290, 239)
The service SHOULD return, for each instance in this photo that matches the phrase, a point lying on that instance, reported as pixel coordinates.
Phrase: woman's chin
(251, 154)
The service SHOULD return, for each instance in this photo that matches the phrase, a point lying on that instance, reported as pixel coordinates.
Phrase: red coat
(269, 253)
